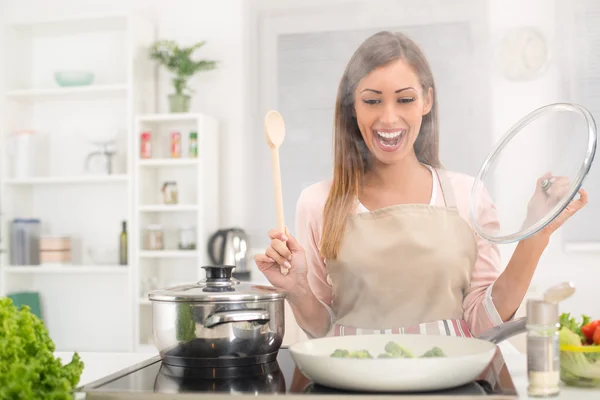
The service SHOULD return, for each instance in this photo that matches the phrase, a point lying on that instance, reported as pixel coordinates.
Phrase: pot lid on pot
(218, 286)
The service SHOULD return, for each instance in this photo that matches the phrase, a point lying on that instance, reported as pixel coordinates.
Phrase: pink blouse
(479, 310)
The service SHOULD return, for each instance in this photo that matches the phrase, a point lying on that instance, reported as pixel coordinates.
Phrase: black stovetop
(280, 377)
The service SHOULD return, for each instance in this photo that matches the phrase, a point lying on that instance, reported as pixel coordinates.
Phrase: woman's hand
(572, 208)
(549, 191)
(284, 262)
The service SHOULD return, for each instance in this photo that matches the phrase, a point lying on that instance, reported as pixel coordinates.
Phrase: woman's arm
(511, 286)
(311, 298)
(494, 297)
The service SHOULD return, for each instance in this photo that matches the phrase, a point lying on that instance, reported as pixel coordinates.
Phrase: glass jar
(543, 352)
(154, 237)
(187, 238)
(170, 194)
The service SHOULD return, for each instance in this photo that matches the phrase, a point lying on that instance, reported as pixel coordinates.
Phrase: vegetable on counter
(580, 350)
(29, 369)
(392, 350)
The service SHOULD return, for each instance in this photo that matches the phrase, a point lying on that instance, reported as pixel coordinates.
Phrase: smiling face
(389, 105)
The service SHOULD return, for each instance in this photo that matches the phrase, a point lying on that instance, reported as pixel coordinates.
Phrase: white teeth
(389, 135)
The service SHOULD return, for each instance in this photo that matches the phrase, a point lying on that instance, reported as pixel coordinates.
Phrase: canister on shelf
(146, 145)
(154, 237)
(193, 146)
(169, 190)
(187, 238)
(175, 144)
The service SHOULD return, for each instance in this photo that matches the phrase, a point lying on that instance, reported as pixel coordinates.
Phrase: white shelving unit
(89, 305)
(197, 207)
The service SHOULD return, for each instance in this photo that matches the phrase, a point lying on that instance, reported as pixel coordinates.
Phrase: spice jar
(169, 191)
(146, 145)
(175, 144)
(543, 353)
(154, 237)
(193, 145)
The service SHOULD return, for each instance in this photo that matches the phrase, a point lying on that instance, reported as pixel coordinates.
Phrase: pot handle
(218, 318)
(504, 331)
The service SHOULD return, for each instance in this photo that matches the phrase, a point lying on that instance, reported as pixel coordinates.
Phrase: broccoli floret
(397, 351)
(434, 352)
(340, 353)
(384, 355)
(360, 354)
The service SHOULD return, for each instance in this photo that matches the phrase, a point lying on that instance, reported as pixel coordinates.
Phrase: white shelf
(125, 86)
(69, 180)
(173, 117)
(67, 91)
(168, 254)
(144, 301)
(168, 208)
(70, 25)
(67, 269)
(169, 162)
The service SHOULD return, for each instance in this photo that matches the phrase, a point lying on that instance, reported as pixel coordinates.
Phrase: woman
(386, 245)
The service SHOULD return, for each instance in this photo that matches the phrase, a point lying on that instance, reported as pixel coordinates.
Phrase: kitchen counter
(99, 365)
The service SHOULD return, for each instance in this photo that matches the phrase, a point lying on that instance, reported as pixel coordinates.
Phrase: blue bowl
(73, 78)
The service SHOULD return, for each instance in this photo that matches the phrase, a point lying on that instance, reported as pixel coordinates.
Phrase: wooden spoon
(275, 133)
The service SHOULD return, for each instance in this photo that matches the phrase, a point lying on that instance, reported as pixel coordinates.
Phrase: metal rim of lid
(270, 294)
(218, 277)
(516, 128)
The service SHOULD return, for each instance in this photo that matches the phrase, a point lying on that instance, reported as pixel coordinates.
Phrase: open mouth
(390, 140)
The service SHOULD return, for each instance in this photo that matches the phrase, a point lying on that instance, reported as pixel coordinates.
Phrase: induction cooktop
(156, 380)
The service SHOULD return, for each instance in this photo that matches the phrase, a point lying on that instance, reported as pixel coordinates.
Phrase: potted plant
(178, 60)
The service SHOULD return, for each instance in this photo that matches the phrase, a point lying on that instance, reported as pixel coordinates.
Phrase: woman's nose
(389, 115)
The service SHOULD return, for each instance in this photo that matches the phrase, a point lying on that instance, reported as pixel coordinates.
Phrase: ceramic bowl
(73, 78)
(580, 365)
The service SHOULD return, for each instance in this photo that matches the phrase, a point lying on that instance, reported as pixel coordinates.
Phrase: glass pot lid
(533, 172)
(220, 286)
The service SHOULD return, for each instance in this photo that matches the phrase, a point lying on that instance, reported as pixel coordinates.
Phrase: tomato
(597, 336)
(589, 329)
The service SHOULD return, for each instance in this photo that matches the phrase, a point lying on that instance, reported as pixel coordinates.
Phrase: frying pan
(466, 359)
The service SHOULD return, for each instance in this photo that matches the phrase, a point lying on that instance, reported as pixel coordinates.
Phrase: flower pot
(179, 103)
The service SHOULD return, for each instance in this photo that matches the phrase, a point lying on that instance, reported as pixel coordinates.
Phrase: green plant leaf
(178, 60)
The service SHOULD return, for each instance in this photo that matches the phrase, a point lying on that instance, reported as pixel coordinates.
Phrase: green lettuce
(581, 369)
(566, 321)
(29, 369)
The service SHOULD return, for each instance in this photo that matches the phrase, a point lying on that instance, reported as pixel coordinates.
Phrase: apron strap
(447, 190)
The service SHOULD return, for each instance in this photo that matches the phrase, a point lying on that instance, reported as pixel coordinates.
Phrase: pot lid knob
(218, 273)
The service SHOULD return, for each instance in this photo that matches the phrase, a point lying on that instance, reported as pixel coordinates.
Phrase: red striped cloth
(447, 327)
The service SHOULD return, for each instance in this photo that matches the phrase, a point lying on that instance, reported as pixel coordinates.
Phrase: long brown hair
(351, 157)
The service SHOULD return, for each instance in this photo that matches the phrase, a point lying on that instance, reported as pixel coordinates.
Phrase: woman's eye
(406, 100)
(371, 101)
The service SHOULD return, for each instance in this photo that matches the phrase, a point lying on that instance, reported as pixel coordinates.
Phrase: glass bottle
(543, 353)
(123, 244)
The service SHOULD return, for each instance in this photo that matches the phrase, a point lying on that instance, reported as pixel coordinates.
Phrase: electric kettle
(229, 247)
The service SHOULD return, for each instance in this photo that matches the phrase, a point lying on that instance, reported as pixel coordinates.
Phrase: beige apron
(404, 269)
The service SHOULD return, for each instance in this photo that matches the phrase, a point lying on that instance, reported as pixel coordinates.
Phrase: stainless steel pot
(218, 322)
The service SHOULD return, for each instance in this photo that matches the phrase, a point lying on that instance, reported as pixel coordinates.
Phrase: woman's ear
(428, 103)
